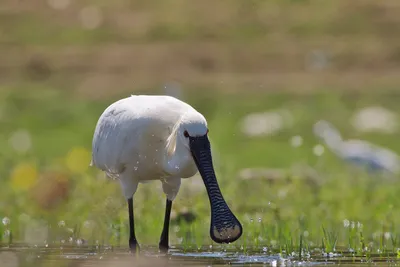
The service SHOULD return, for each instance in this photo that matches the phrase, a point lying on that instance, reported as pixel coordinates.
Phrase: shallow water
(21, 256)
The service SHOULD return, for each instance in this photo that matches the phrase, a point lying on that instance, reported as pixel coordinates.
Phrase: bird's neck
(176, 163)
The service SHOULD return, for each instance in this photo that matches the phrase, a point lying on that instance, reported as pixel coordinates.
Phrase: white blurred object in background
(375, 119)
(296, 141)
(20, 141)
(358, 152)
(266, 123)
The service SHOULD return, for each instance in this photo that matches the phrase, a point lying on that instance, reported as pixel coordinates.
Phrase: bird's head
(192, 126)
(192, 131)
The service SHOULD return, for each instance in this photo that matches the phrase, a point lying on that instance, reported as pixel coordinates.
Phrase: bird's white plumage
(141, 138)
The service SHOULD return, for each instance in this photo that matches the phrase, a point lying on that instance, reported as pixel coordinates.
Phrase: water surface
(21, 256)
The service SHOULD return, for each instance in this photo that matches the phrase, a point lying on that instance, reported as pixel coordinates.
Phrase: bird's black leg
(163, 245)
(133, 244)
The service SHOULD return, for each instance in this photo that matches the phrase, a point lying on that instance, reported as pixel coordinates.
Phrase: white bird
(359, 152)
(149, 137)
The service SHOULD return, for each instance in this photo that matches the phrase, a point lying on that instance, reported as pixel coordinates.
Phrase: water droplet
(211, 246)
(6, 221)
(259, 220)
(135, 168)
(251, 220)
(265, 249)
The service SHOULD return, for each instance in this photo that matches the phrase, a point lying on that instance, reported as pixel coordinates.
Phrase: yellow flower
(78, 160)
(23, 176)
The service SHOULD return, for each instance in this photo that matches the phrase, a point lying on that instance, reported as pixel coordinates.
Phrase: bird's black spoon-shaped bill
(225, 227)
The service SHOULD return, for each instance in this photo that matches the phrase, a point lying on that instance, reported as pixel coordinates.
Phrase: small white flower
(6, 221)
(387, 235)
(318, 150)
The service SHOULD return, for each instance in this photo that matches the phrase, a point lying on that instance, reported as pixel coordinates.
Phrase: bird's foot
(163, 247)
(134, 246)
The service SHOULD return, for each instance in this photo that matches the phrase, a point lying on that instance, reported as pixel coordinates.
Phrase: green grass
(288, 215)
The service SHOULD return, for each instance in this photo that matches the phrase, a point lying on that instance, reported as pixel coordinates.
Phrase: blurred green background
(292, 62)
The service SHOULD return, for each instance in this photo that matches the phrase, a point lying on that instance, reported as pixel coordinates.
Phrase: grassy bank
(50, 180)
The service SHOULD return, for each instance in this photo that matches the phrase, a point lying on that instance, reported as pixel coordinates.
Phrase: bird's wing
(126, 127)
(116, 136)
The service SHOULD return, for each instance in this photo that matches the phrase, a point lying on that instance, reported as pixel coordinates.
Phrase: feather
(171, 140)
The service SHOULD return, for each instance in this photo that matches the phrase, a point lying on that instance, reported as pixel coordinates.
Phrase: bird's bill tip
(226, 234)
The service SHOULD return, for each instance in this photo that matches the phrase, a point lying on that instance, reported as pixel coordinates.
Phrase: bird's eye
(186, 134)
